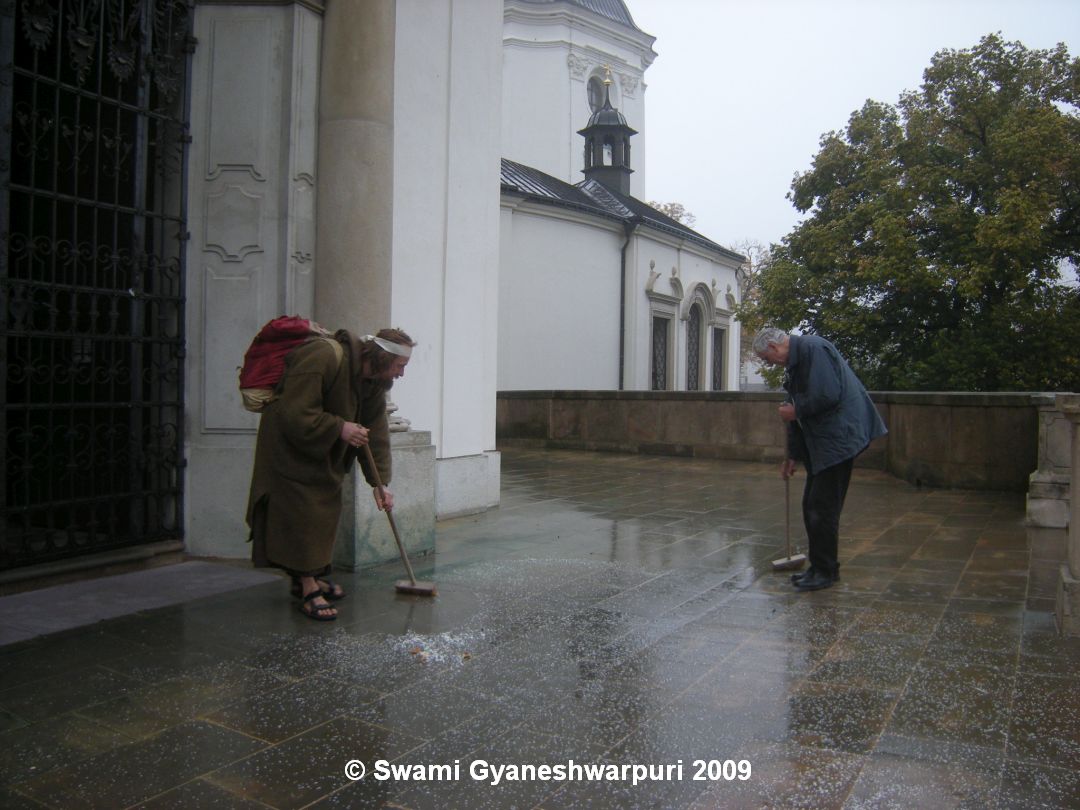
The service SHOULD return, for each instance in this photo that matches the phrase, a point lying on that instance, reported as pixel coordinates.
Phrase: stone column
(1068, 596)
(356, 177)
(354, 252)
(1048, 486)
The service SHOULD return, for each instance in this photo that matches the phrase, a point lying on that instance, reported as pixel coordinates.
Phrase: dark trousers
(823, 500)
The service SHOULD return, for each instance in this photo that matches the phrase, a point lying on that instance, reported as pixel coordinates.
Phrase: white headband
(399, 349)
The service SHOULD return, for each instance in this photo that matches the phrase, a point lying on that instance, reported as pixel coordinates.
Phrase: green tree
(677, 211)
(938, 229)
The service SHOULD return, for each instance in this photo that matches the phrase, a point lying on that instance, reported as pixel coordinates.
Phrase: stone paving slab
(615, 611)
(62, 607)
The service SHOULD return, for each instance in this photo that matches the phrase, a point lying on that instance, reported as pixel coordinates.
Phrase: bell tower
(607, 145)
(554, 55)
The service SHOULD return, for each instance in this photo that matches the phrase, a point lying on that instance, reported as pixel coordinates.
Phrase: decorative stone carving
(398, 424)
(578, 65)
(628, 83)
(676, 284)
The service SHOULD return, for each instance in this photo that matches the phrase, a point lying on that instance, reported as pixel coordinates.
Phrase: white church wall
(448, 74)
(533, 81)
(549, 58)
(669, 274)
(558, 301)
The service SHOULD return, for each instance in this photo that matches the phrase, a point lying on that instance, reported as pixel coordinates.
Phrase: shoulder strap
(339, 352)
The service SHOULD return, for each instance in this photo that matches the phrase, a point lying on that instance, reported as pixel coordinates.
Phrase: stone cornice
(581, 19)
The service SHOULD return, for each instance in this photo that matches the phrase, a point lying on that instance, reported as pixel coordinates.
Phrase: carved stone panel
(233, 223)
(240, 64)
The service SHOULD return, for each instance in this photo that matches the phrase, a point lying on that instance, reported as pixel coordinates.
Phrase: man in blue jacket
(830, 420)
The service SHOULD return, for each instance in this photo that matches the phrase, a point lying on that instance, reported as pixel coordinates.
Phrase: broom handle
(787, 514)
(389, 516)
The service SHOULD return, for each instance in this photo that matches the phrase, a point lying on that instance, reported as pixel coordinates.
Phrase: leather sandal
(313, 611)
(331, 591)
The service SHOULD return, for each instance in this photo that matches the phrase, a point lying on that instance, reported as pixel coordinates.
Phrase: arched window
(595, 89)
(719, 340)
(608, 155)
(658, 360)
(693, 349)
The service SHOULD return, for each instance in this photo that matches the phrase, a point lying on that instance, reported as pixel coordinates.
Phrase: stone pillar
(1048, 486)
(364, 534)
(354, 252)
(251, 186)
(1068, 596)
(356, 177)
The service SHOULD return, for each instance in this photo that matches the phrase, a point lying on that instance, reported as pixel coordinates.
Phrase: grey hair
(768, 335)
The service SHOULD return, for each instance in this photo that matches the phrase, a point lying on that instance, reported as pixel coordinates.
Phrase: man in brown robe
(327, 405)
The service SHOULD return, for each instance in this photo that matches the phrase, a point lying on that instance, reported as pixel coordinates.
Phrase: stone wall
(970, 441)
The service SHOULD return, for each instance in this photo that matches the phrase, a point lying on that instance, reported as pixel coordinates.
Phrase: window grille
(659, 353)
(718, 341)
(693, 349)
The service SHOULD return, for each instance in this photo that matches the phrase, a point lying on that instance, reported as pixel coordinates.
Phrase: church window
(608, 160)
(718, 340)
(658, 371)
(595, 89)
(693, 349)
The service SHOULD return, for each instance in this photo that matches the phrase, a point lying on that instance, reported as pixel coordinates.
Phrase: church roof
(541, 187)
(611, 9)
(596, 198)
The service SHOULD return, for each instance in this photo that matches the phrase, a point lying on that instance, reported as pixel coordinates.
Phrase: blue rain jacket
(835, 419)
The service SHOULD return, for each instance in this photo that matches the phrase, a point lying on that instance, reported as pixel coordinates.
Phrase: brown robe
(300, 460)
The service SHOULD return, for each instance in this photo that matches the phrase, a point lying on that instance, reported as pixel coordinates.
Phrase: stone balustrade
(1068, 596)
(961, 440)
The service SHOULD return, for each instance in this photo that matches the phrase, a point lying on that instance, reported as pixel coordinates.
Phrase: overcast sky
(742, 90)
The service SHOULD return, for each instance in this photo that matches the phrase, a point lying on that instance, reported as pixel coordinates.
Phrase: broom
(791, 560)
(409, 585)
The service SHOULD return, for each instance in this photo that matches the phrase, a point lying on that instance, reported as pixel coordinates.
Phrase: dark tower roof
(610, 9)
(607, 116)
(607, 146)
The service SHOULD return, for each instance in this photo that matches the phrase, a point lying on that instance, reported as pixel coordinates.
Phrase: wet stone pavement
(616, 611)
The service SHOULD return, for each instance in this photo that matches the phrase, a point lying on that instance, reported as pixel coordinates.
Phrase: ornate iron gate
(93, 103)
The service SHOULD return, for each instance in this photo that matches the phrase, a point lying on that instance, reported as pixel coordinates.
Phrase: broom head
(788, 563)
(415, 588)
